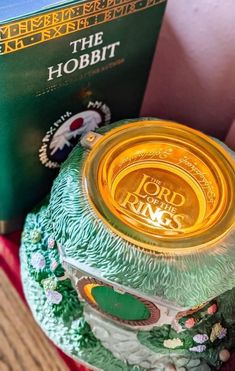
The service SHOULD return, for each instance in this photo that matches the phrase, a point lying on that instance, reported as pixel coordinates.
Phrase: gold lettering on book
(4, 32)
(13, 45)
(22, 34)
(89, 8)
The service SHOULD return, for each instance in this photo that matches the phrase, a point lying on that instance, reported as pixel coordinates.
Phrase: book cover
(65, 68)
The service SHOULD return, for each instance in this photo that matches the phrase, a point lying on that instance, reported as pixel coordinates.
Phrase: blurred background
(193, 73)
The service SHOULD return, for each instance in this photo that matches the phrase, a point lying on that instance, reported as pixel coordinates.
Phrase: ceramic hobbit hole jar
(130, 263)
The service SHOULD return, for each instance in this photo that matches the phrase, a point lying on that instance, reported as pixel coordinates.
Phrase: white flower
(217, 331)
(35, 236)
(49, 283)
(198, 349)
(173, 343)
(38, 261)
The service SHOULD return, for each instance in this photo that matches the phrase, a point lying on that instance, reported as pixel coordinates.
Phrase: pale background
(193, 74)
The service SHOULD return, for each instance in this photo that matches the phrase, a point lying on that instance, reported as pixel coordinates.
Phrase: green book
(65, 68)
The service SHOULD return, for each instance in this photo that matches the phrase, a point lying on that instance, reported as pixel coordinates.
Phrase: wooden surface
(23, 346)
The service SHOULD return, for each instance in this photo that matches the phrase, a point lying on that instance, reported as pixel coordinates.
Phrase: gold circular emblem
(162, 186)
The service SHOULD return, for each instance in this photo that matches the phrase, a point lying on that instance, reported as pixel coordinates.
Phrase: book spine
(1, 41)
(5, 177)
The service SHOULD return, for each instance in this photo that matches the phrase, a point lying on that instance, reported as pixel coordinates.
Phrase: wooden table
(23, 346)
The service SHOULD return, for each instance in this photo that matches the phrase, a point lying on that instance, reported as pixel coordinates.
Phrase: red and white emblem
(64, 134)
(73, 127)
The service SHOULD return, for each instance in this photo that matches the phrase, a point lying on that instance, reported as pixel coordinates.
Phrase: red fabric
(9, 258)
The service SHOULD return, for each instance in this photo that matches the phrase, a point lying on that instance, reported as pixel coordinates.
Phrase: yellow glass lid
(162, 186)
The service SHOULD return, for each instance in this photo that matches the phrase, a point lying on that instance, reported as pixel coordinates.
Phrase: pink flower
(212, 309)
(190, 322)
(54, 265)
(50, 243)
(54, 297)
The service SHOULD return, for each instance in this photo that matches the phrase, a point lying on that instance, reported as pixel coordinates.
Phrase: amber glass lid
(162, 186)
